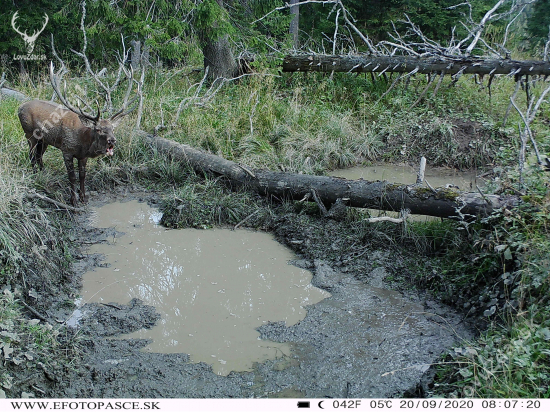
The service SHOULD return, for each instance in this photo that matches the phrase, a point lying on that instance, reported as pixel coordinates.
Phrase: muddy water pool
(361, 340)
(436, 177)
(213, 288)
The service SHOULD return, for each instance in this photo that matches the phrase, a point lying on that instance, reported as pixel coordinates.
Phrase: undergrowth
(499, 269)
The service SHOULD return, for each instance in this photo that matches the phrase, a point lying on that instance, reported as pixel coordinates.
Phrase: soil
(349, 345)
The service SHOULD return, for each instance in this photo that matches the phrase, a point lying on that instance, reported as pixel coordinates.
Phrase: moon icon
(320, 402)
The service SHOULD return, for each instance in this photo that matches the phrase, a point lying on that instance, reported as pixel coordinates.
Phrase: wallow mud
(159, 309)
(213, 288)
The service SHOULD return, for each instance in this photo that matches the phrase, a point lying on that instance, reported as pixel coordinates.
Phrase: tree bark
(407, 64)
(295, 23)
(218, 56)
(357, 193)
(135, 58)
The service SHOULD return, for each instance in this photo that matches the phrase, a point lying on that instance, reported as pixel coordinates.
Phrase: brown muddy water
(436, 177)
(213, 288)
(348, 335)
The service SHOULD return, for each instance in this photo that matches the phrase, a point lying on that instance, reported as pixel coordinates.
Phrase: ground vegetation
(496, 270)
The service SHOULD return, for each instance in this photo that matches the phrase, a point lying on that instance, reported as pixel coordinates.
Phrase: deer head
(29, 40)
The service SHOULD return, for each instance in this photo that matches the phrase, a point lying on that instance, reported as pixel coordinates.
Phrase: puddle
(77, 314)
(213, 288)
(436, 177)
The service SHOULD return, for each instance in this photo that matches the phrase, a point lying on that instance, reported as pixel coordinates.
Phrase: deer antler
(135, 100)
(63, 97)
(15, 17)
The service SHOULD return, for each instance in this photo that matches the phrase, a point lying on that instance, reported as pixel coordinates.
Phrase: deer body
(77, 136)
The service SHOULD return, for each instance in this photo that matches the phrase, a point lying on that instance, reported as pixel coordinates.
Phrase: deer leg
(33, 148)
(69, 164)
(40, 149)
(82, 177)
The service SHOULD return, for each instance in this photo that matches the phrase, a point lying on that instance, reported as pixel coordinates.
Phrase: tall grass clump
(315, 123)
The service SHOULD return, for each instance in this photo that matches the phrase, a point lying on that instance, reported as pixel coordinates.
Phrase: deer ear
(87, 122)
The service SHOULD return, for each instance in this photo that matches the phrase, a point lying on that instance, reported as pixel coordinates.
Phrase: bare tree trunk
(218, 56)
(295, 23)
(408, 64)
(136, 54)
(357, 193)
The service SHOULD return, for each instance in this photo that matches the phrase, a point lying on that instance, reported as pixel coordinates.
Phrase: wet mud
(213, 288)
(364, 340)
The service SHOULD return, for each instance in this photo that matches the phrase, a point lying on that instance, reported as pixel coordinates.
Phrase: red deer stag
(76, 133)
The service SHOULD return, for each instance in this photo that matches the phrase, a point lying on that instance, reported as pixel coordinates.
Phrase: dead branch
(528, 117)
(430, 81)
(441, 76)
(385, 219)
(196, 99)
(545, 55)
(421, 170)
(104, 86)
(55, 202)
(35, 312)
(140, 104)
(511, 104)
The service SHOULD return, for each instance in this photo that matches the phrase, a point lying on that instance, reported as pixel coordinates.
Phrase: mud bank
(356, 343)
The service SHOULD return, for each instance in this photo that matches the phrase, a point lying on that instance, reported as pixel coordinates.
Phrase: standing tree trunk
(135, 60)
(218, 56)
(294, 24)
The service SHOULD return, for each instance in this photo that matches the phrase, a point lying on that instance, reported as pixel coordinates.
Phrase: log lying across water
(408, 64)
(357, 193)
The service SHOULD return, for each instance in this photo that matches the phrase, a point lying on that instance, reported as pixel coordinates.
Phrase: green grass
(501, 271)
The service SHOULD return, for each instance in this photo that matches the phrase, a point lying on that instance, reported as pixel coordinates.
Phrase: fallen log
(13, 94)
(442, 202)
(409, 64)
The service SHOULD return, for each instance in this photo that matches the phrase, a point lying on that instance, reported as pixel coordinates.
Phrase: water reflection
(213, 287)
